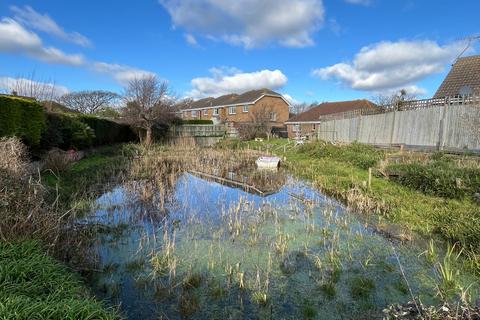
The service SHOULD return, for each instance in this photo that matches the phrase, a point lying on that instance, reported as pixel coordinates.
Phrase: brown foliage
(21, 197)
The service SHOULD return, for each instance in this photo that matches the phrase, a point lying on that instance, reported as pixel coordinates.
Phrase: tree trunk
(148, 136)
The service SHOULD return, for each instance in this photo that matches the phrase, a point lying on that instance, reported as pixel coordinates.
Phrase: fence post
(393, 126)
(442, 130)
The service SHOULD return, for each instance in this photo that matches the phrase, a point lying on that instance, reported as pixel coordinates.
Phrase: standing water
(217, 248)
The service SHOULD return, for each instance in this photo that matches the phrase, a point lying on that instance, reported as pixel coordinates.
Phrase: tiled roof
(464, 76)
(329, 108)
(231, 99)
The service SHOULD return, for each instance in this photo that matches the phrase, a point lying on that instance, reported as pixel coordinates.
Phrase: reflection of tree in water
(149, 196)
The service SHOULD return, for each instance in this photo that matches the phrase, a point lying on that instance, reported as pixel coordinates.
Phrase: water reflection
(217, 245)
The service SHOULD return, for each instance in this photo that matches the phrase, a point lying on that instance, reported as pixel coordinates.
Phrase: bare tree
(262, 119)
(393, 101)
(31, 88)
(302, 107)
(89, 101)
(148, 103)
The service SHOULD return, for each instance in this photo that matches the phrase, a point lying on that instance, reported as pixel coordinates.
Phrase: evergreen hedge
(107, 131)
(23, 118)
(196, 121)
(40, 130)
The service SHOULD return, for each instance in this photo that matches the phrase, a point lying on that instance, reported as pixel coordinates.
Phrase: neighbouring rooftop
(329, 108)
(462, 80)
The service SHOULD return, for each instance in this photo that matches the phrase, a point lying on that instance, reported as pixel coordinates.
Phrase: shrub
(21, 118)
(357, 154)
(66, 132)
(196, 121)
(107, 131)
(21, 196)
(438, 178)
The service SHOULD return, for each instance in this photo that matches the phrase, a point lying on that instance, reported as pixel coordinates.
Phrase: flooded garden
(204, 234)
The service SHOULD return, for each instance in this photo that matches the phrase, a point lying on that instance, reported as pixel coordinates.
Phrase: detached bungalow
(253, 106)
(306, 124)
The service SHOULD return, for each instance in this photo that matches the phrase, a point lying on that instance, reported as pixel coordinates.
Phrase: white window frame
(216, 111)
(205, 112)
(273, 116)
(194, 113)
(296, 128)
(232, 110)
(245, 108)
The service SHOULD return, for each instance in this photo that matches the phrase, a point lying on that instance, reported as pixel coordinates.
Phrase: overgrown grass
(343, 176)
(85, 176)
(438, 177)
(359, 155)
(35, 286)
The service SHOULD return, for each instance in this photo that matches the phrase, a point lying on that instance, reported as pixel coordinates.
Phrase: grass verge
(35, 286)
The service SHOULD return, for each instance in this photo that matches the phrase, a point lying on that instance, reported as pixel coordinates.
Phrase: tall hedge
(22, 118)
(67, 131)
(107, 131)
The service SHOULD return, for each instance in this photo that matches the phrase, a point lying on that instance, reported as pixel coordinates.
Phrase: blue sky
(312, 50)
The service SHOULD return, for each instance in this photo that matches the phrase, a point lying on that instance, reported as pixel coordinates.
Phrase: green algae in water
(215, 252)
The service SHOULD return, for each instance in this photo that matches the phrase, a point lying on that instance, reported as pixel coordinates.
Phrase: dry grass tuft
(21, 197)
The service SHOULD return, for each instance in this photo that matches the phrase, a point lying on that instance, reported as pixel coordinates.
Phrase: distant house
(462, 80)
(306, 123)
(234, 109)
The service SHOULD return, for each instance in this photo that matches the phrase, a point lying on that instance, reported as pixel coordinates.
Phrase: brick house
(243, 108)
(306, 124)
(462, 80)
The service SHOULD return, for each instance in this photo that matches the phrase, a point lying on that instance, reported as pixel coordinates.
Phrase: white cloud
(391, 65)
(28, 87)
(360, 2)
(249, 23)
(224, 81)
(191, 40)
(14, 38)
(291, 99)
(121, 73)
(31, 18)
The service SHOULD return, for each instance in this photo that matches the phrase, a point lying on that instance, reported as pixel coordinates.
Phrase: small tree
(393, 101)
(262, 121)
(148, 104)
(89, 102)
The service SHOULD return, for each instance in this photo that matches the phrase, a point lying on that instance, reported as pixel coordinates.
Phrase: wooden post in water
(369, 178)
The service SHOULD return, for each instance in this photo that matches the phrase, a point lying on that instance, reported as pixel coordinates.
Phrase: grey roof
(231, 99)
(464, 76)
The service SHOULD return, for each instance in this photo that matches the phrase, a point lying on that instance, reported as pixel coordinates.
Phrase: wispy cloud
(249, 23)
(42, 22)
(15, 39)
(121, 73)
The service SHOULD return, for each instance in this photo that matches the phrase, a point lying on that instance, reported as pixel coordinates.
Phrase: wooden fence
(442, 124)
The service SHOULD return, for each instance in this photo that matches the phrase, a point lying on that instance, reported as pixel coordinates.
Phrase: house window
(232, 110)
(273, 116)
(245, 108)
(296, 128)
(194, 113)
(205, 112)
(216, 111)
